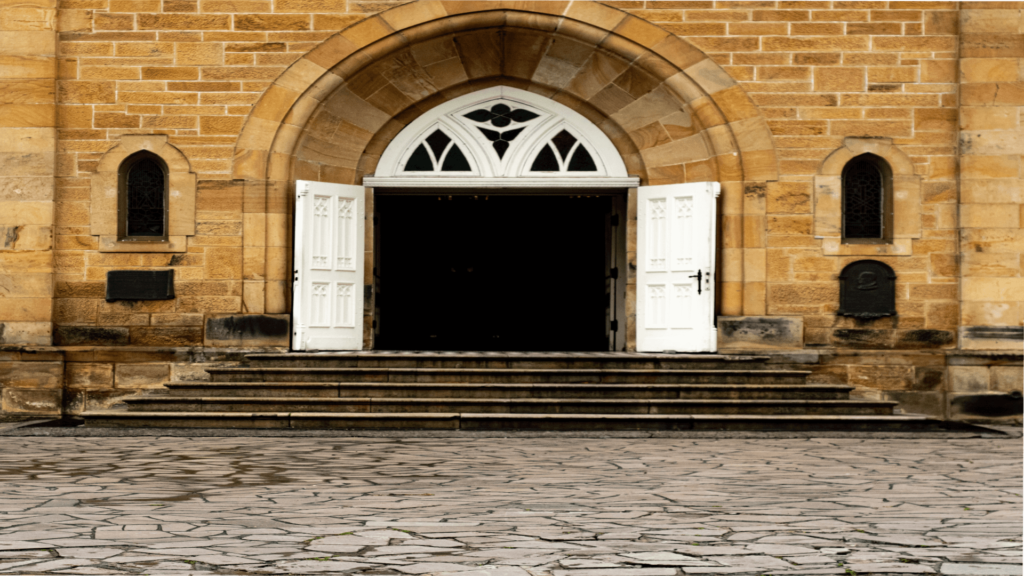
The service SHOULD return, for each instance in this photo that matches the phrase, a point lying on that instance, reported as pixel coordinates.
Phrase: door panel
(675, 267)
(327, 292)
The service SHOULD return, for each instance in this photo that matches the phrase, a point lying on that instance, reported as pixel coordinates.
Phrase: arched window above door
(504, 135)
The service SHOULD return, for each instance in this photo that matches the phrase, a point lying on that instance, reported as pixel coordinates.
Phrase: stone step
(566, 360)
(509, 406)
(526, 422)
(503, 375)
(523, 390)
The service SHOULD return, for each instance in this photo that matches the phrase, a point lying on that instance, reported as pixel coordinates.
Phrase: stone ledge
(760, 332)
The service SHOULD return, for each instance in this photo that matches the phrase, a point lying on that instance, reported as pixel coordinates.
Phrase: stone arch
(672, 112)
(898, 160)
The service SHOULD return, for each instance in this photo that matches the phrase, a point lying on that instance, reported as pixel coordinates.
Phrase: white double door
(675, 267)
(327, 290)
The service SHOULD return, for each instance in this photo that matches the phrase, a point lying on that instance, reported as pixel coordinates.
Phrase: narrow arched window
(142, 198)
(867, 200)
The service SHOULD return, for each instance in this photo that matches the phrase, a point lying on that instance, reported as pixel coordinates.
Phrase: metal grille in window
(145, 190)
(863, 198)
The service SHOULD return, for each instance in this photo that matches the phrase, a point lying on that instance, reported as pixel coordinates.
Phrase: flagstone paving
(510, 507)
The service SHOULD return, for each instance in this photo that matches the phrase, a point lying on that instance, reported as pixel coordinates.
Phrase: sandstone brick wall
(991, 200)
(28, 42)
(822, 72)
(819, 71)
(934, 86)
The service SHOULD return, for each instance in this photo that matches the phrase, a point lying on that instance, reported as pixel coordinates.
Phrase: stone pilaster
(28, 71)
(991, 197)
(29, 382)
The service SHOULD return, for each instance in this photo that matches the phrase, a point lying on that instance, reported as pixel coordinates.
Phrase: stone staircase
(506, 391)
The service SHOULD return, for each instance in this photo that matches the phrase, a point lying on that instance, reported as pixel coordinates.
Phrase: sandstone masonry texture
(254, 94)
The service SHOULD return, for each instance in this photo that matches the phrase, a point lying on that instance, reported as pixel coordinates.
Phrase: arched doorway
(500, 224)
(497, 227)
(671, 112)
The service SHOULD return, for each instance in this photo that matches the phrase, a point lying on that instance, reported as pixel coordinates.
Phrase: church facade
(834, 185)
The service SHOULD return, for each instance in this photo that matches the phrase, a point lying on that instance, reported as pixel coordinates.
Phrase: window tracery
(438, 153)
(500, 116)
(500, 132)
(572, 156)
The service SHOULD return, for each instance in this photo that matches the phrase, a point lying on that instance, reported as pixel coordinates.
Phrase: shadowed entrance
(493, 272)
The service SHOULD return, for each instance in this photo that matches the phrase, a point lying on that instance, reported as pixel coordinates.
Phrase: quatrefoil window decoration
(500, 116)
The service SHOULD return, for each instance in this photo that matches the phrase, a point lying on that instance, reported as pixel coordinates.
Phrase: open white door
(676, 268)
(327, 307)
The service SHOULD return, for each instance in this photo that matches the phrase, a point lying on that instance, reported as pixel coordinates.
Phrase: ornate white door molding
(676, 268)
(327, 289)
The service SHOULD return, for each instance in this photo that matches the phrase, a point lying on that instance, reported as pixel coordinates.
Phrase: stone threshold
(48, 429)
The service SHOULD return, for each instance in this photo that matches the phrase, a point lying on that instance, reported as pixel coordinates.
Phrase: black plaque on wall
(867, 289)
(140, 285)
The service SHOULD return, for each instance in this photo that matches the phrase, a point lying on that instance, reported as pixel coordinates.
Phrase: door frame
(621, 200)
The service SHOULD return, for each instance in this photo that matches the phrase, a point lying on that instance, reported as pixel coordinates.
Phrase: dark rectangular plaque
(140, 285)
(867, 290)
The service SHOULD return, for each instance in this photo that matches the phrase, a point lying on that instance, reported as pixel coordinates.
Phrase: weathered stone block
(271, 22)
(31, 374)
(248, 330)
(930, 403)
(969, 378)
(190, 372)
(85, 92)
(991, 337)
(839, 79)
(166, 336)
(986, 407)
(90, 336)
(140, 376)
(89, 376)
(861, 338)
(26, 333)
(1007, 378)
(929, 378)
(891, 377)
(760, 332)
(43, 402)
(924, 338)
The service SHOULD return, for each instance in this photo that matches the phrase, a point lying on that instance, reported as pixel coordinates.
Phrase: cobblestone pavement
(509, 507)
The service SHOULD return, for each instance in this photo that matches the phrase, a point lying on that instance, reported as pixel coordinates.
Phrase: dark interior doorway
(481, 271)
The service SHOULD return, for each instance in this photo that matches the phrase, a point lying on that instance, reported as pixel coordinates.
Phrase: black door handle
(698, 276)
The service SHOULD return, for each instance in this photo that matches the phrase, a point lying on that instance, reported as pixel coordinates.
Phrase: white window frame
(513, 170)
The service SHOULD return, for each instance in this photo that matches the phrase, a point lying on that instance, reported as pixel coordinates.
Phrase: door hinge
(615, 219)
(615, 326)
(614, 274)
